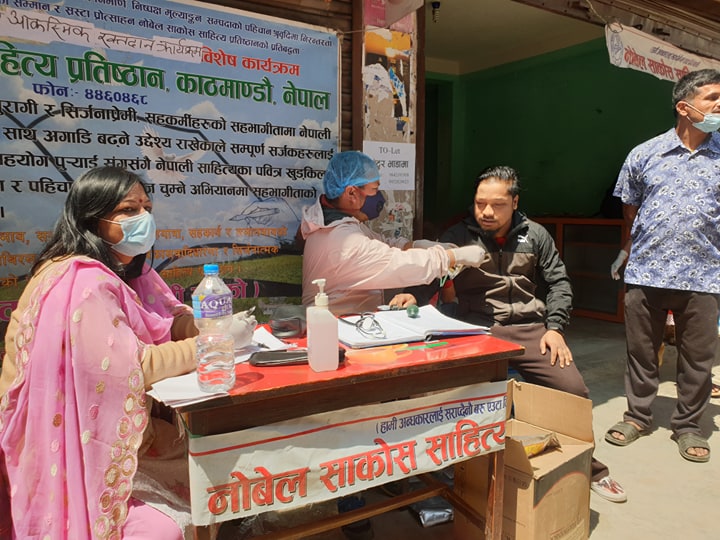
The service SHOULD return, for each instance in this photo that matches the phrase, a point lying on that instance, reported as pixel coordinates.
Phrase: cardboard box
(546, 497)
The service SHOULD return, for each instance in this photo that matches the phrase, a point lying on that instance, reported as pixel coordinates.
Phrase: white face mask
(138, 234)
(710, 121)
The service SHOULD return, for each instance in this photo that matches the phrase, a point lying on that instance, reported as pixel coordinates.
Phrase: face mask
(138, 234)
(373, 205)
(710, 122)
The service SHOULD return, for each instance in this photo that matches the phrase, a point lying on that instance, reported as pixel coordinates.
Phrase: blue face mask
(710, 121)
(138, 234)
(373, 205)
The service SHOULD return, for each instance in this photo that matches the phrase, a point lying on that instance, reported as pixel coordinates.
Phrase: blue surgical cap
(350, 168)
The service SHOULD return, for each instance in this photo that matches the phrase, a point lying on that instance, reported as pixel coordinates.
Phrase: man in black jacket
(521, 291)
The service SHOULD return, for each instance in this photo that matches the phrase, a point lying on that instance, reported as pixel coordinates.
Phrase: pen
(429, 345)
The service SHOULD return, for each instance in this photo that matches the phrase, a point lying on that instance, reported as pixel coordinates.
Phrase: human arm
(629, 213)
(174, 357)
(168, 359)
(424, 244)
(471, 255)
(351, 257)
(620, 260)
(558, 302)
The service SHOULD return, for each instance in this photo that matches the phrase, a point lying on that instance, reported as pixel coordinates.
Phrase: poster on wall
(396, 162)
(230, 116)
(389, 80)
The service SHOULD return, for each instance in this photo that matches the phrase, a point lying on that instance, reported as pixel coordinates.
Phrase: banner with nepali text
(231, 117)
(631, 48)
(324, 456)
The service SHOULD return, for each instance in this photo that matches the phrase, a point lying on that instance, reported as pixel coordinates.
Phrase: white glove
(242, 328)
(424, 244)
(617, 263)
(468, 255)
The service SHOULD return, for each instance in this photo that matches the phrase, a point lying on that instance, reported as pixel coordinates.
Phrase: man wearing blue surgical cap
(357, 263)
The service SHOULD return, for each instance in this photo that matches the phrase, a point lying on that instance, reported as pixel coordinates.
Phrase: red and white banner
(324, 456)
(631, 48)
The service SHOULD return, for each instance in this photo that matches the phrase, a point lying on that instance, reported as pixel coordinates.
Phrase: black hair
(93, 195)
(500, 172)
(688, 86)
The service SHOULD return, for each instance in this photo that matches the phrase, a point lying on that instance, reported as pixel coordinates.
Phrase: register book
(391, 327)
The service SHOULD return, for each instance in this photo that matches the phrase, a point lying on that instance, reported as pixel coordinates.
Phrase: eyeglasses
(366, 325)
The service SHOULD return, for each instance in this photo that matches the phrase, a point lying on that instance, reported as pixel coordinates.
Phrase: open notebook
(390, 327)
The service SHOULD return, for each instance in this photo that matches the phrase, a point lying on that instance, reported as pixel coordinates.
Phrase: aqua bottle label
(211, 306)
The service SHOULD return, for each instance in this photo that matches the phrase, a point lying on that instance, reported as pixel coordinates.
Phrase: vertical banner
(230, 116)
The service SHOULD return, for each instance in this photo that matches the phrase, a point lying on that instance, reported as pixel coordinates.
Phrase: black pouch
(288, 321)
(285, 358)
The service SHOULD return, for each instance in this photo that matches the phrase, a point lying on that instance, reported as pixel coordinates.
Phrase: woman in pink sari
(93, 329)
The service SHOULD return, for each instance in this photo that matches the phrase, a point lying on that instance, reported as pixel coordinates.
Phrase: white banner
(631, 48)
(324, 456)
(230, 116)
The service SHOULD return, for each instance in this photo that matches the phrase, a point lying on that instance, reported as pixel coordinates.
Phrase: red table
(265, 395)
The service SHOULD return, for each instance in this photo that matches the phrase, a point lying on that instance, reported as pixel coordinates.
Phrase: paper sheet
(391, 327)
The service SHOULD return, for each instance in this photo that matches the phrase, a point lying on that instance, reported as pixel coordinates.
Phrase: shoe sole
(618, 499)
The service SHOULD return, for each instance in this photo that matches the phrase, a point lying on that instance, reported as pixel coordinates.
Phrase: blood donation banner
(230, 116)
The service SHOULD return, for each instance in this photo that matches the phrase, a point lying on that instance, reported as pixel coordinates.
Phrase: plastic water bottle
(322, 333)
(212, 309)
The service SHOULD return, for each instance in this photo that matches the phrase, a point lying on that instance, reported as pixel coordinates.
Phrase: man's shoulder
(534, 230)
(457, 231)
(661, 142)
(714, 142)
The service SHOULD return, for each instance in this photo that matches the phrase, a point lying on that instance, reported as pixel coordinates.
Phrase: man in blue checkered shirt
(670, 189)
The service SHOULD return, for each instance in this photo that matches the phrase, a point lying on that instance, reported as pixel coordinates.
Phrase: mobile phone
(283, 358)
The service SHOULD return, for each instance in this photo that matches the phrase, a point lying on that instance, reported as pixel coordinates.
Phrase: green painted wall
(565, 121)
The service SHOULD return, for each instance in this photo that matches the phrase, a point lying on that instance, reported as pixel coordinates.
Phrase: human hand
(424, 244)
(468, 255)
(403, 300)
(555, 342)
(242, 328)
(617, 263)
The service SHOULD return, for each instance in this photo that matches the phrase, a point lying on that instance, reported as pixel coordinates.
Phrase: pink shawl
(73, 419)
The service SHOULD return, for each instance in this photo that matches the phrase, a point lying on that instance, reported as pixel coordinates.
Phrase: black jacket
(523, 282)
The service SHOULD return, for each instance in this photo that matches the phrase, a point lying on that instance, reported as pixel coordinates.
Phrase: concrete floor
(668, 497)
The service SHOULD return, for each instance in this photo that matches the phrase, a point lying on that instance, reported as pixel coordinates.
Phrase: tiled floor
(668, 497)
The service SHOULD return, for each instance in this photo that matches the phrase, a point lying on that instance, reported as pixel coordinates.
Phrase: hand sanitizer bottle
(322, 333)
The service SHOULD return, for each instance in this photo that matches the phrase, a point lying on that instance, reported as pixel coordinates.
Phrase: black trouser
(696, 335)
(535, 368)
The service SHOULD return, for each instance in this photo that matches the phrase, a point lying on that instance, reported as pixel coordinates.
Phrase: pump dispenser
(322, 333)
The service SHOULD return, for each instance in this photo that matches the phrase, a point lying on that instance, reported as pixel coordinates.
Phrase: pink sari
(73, 419)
